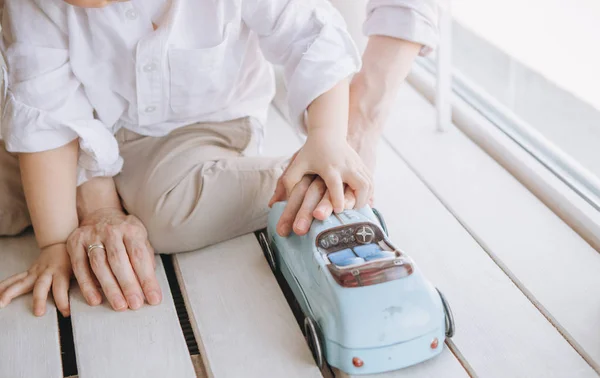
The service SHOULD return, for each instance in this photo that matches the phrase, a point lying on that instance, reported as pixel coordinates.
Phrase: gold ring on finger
(91, 247)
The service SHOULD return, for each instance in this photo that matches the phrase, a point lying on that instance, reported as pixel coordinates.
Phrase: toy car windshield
(360, 255)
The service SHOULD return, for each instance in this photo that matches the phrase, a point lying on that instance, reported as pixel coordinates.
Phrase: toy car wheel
(381, 220)
(266, 247)
(449, 316)
(311, 333)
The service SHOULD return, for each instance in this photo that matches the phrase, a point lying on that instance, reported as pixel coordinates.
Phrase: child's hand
(335, 162)
(52, 269)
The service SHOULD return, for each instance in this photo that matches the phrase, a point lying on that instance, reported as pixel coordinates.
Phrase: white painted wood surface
(499, 332)
(242, 322)
(29, 346)
(145, 343)
(281, 138)
(550, 262)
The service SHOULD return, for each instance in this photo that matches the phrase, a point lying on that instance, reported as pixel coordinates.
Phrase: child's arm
(309, 39)
(45, 113)
(327, 153)
(49, 182)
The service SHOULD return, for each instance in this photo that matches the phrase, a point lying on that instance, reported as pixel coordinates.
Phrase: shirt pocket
(200, 80)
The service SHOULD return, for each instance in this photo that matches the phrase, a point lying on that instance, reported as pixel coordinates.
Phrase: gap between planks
(472, 186)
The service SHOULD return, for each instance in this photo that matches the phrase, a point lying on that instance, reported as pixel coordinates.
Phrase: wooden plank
(496, 322)
(549, 262)
(499, 332)
(29, 346)
(143, 343)
(242, 322)
(282, 137)
(199, 366)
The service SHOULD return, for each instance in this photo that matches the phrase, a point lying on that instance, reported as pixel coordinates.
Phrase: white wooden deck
(524, 288)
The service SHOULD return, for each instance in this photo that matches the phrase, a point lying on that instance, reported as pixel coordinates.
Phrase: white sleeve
(309, 39)
(45, 105)
(411, 20)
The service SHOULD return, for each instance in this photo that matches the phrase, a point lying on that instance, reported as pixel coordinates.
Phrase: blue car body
(374, 309)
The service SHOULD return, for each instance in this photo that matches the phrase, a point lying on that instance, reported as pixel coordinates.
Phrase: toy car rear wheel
(312, 335)
(449, 316)
(381, 220)
(266, 247)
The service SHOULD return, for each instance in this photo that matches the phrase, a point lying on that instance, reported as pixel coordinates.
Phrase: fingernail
(94, 298)
(119, 303)
(302, 225)
(153, 298)
(134, 301)
(38, 312)
(283, 230)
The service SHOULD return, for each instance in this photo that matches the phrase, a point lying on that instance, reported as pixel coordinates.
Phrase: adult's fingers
(60, 292)
(83, 273)
(324, 208)
(279, 194)
(292, 176)
(312, 198)
(142, 260)
(22, 286)
(40, 294)
(284, 226)
(335, 186)
(122, 269)
(11, 280)
(108, 282)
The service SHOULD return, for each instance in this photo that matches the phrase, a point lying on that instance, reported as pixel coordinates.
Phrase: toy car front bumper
(388, 358)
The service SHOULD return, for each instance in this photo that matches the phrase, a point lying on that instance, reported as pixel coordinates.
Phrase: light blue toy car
(367, 307)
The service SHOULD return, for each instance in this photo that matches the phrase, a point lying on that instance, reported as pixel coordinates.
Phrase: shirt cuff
(402, 23)
(331, 58)
(27, 129)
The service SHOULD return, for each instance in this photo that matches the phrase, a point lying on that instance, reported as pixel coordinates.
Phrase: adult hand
(309, 200)
(335, 162)
(124, 268)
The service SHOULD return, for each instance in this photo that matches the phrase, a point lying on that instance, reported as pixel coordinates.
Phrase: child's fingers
(336, 191)
(284, 226)
(23, 286)
(60, 292)
(324, 208)
(361, 186)
(11, 280)
(292, 176)
(312, 198)
(349, 198)
(40, 294)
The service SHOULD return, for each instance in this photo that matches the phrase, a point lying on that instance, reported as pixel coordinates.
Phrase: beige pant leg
(196, 186)
(14, 216)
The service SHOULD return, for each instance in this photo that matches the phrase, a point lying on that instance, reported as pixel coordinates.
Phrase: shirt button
(150, 109)
(131, 14)
(150, 67)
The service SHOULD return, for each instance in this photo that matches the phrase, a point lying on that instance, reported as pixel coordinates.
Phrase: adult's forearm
(50, 183)
(97, 194)
(386, 63)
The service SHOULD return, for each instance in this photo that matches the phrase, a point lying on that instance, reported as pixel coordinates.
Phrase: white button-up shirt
(85, 73)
